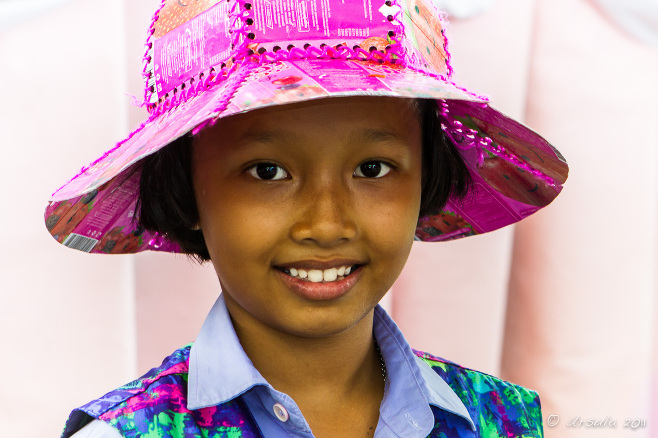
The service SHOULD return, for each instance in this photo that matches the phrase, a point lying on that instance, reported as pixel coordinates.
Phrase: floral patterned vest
(154, 406)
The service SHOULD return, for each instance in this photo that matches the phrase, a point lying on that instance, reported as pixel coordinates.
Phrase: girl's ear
(196, 227)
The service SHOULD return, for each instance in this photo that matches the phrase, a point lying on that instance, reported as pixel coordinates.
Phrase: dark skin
(343, 372)
(341, 187)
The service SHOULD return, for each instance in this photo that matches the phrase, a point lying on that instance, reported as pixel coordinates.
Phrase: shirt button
(280, 412)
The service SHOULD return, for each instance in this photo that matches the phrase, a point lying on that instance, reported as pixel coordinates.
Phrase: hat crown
(193, 40)
(210, 59)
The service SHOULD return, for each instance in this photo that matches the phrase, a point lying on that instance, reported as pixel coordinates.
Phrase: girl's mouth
(320, 276)
(321, 284)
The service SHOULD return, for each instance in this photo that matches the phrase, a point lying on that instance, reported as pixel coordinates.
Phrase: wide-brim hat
(209, 59)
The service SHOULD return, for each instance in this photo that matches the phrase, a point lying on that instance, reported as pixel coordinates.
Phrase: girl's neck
(338, 364)
(335, 380)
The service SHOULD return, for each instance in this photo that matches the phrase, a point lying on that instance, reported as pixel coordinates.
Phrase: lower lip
(321, 291)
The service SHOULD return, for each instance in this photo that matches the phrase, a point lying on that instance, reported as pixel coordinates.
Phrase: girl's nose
(326, 217)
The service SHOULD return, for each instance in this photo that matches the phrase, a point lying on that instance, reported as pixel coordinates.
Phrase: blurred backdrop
(565, 303)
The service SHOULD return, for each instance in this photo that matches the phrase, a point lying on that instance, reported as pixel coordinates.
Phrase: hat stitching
(234, 84)
(239, 25)
(226, 100)
(237, 28)
(394, 54)
(206, 80)
(84, 169)
(147, 71)
(465, 138)
(448, 58)
(442, 20)
(244, 59)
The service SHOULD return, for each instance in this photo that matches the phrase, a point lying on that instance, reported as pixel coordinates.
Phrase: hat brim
(515, 171)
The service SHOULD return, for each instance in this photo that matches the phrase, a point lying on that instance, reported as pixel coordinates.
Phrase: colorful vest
(155, 406)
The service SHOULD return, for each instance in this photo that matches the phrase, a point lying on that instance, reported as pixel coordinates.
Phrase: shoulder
(166, 381)
(156, 405)
(495, 405)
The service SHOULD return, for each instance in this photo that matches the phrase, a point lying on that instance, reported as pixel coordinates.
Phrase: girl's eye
(372, 169)
(267, 171)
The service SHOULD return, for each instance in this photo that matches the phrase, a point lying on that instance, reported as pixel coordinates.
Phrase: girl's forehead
(335, 117)
(319, 129)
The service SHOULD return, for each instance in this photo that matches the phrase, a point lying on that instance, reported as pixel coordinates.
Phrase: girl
(302, 149)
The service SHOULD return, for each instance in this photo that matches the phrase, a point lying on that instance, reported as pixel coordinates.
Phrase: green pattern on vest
(155, 406)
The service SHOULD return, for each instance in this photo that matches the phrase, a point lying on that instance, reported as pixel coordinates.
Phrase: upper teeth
(316, 275)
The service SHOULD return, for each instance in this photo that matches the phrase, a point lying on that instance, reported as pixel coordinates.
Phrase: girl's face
(309, 188)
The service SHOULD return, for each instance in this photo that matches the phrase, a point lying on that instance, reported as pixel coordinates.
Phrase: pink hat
(208, 59)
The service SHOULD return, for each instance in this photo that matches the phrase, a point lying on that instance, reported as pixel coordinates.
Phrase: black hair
(166, 202)
(167, 205)
(443, 170)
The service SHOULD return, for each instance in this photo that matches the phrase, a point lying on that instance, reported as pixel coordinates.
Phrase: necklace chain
(381, 359)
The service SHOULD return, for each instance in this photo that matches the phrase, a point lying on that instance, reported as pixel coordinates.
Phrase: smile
(321, 280)
(320, 276)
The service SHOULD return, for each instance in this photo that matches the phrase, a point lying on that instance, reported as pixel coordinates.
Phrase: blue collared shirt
(219, 371)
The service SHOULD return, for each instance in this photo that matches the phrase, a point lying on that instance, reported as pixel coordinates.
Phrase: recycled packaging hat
(209, 59)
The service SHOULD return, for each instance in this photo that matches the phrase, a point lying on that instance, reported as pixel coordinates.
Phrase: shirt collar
(408, 375)
(220, 370)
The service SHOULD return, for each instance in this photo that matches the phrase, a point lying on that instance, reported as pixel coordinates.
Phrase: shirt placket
(282, 411)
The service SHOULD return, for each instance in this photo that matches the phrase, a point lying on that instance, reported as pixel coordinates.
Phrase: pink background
(564, 303)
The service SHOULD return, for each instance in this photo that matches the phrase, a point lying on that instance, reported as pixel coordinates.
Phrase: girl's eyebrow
(266, 136)
(377, 136)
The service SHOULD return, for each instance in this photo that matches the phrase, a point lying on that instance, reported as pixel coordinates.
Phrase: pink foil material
(191, 49)
(216, 58)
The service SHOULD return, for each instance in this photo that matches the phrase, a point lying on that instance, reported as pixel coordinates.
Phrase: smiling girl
(307, 205)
